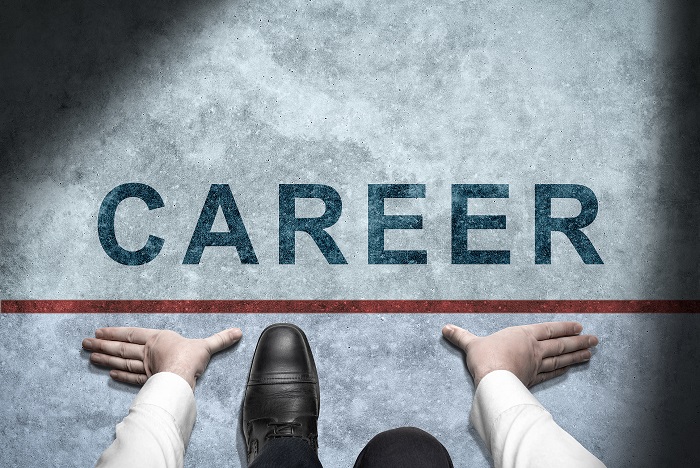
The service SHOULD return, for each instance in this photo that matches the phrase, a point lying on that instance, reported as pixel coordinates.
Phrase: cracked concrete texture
(348, 93)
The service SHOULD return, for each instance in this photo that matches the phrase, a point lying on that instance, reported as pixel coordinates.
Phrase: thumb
(458, 336)
(222, 340)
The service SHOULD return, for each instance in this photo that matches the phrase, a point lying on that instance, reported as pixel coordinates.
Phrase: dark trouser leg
(404, 447)
(286, 452)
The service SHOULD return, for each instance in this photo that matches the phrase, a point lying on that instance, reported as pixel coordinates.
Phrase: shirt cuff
(173, 394)
(497, 392)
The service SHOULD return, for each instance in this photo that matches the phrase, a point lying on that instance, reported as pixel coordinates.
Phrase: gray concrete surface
(376, 371)
(254, 94)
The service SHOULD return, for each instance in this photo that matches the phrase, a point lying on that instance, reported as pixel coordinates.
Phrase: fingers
(565, 360)
(568, 344)
(133, 366)
(128, 377)
(222, 340)
(458, 336)
(114, 348)
(549, 330)
(544, 376)
(126, 334)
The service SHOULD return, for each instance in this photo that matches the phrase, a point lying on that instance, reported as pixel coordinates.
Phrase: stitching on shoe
(285, 379)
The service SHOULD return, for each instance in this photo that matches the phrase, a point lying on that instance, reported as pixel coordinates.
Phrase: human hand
(534, 353)
(134, 354)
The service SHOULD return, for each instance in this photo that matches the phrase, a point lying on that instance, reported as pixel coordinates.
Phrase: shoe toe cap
(283, 350)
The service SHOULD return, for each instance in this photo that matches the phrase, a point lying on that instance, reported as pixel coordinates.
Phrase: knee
(404, 446)
(406, 434)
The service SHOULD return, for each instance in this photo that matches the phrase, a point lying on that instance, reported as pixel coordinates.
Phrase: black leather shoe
(282, 398)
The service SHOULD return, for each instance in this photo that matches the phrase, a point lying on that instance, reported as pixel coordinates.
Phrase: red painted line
(345, 306)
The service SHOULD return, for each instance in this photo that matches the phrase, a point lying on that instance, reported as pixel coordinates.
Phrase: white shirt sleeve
(157, 428)
(517, 429)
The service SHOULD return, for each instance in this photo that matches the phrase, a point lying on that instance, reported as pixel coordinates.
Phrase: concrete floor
(376, 371)
(346, 94)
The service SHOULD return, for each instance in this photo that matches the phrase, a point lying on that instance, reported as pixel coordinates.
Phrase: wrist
(190, 379)
(186, 374)
(481, 373)
(478, 374)
(478, 378)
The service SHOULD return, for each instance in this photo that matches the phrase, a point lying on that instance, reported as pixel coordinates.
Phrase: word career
(220, 196)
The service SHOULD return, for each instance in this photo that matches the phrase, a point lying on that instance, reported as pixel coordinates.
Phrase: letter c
(105, 224)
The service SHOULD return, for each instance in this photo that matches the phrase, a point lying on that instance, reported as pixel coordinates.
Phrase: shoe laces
(282, 428)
